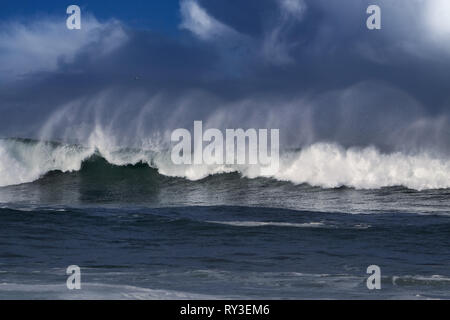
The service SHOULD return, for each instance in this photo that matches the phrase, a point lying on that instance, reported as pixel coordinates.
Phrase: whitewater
(326, 165)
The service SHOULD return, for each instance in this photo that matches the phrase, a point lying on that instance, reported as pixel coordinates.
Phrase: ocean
(141, 230)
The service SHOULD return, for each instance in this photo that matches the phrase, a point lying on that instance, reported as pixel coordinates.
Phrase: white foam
(330, 166)
(323, 165)
(95, 291)
(273, 224)
(418, 279)
(22, 162)
(289, 224)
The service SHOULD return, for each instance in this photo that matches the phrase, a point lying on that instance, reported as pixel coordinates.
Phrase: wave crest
(323, 165)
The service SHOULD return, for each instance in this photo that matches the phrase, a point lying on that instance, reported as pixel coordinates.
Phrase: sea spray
(321, 164)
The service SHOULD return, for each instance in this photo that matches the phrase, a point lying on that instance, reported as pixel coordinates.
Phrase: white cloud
(295, 8)
(273, 47)
(199, 22)
(437, 13)
(276, 42)
(41, 45)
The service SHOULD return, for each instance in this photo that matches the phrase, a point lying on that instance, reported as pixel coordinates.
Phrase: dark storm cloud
(310, 68)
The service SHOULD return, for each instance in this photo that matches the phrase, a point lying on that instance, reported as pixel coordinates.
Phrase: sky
(156, 15)
(139, 69)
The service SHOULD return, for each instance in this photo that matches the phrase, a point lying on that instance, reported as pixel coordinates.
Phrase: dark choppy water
(138, 234)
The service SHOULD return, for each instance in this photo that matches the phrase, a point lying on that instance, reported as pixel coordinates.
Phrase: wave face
(322, 165)
(24, 161)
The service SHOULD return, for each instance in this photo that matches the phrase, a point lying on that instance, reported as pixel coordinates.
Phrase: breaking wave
(322, 164)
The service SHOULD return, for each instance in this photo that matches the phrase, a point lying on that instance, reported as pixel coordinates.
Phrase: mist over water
(366, 136)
